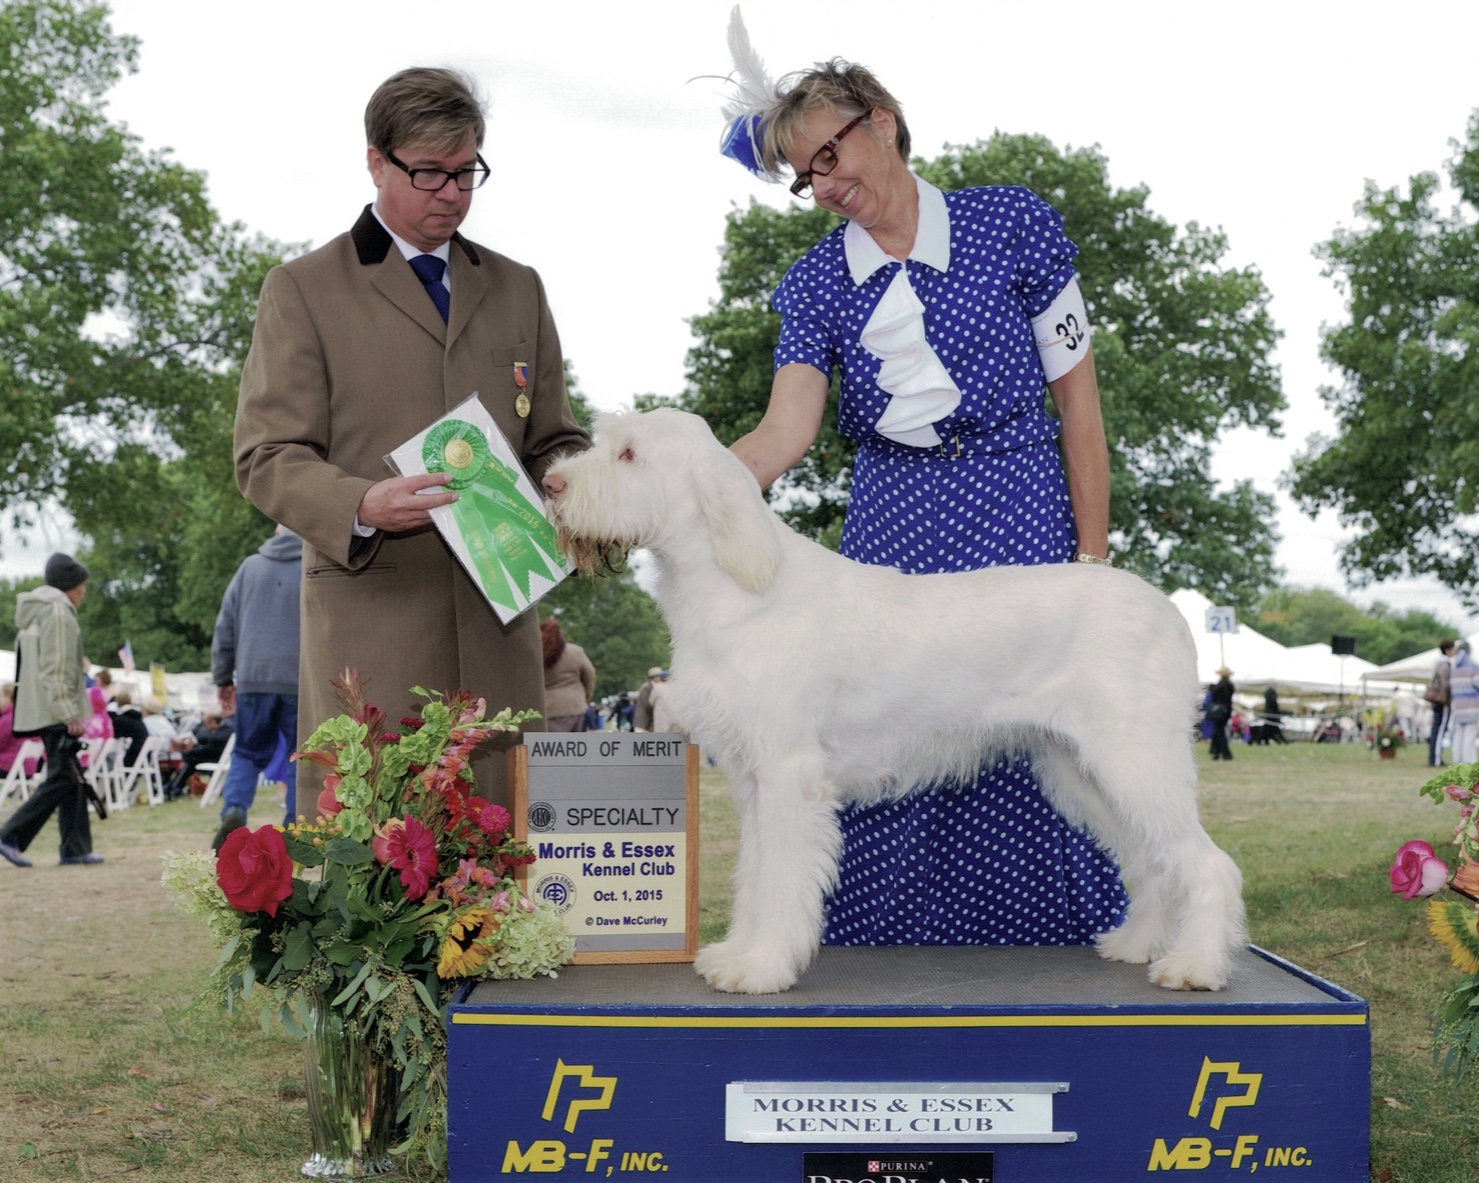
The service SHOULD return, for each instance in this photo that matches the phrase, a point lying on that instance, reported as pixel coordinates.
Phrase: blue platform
(623, 1071)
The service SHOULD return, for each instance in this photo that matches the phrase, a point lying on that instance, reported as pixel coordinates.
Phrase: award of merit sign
(613, 819)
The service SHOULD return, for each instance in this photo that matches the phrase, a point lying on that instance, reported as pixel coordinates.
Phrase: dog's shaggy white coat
(814, 681)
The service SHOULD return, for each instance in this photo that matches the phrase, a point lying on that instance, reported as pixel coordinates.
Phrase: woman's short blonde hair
(424, 107)
(841, 86)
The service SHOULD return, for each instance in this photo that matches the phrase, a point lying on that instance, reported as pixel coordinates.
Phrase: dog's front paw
(1182, 971)
(1129, 942)
(740, 970)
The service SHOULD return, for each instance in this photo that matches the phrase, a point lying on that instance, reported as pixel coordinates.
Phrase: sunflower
(1453, 924)
(466, 948)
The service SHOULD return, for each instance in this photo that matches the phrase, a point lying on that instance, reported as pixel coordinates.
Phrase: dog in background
(814, 681)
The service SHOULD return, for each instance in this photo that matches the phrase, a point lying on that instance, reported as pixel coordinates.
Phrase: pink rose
(254, 870)
(1417, 871)
(328, 804)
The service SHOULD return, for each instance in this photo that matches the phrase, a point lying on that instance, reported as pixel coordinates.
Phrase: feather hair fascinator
(752, 95)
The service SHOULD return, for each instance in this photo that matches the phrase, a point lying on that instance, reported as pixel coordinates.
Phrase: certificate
(497, 527)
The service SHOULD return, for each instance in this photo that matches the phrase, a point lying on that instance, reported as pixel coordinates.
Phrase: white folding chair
(218, 772)
(142, 779)
(104, 762)
(16, 780)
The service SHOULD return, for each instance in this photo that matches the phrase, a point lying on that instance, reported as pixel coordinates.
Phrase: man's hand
(395, 505)
(227, 696)
(76, 727)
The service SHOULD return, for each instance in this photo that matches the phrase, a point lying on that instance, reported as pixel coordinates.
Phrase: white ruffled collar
(931, 239)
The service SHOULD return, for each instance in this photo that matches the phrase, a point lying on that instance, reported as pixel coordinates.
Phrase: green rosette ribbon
(503, 533)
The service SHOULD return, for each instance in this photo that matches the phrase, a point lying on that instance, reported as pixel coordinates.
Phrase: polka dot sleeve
(806, 300)
(1044, 255)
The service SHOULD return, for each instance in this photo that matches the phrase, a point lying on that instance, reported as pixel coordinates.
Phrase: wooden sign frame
(686, 873)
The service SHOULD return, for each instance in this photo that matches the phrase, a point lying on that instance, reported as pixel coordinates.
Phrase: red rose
(254, 870)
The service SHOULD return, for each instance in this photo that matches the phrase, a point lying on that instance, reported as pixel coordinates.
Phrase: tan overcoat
(350, 359)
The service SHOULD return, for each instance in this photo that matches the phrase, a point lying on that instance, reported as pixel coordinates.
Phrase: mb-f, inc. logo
(575, 1089)
(1221, 1085)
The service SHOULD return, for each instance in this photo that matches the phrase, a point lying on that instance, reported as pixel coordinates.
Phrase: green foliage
(1182, 346)
(1302, 616)
(616, 623)
(9, 590)
(1401, 468)
(126, 306)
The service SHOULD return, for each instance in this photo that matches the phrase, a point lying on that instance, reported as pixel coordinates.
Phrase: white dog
(815, 680)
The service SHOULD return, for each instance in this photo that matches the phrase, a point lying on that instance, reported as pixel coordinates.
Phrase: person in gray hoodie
(51, 702)
(254, 663)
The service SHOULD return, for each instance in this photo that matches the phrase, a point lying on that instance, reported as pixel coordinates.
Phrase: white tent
(1418, 667)
(1257, 660)
(7, 666)
(1247, 652)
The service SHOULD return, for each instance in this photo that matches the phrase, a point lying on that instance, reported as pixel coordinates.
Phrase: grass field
(106, 1075)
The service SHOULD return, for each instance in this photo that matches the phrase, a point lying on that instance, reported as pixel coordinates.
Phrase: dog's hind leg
(1186, 912)
(1142, 936)
(789, 845)
(1209, 890)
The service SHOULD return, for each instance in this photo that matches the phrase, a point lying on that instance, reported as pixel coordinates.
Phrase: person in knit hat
(51, 702)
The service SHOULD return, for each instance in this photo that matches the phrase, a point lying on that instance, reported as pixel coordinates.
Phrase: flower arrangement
(399, 889)
(1418, 873)
(1385, 732)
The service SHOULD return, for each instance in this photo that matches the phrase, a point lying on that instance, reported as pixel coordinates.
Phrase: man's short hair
(424, 107)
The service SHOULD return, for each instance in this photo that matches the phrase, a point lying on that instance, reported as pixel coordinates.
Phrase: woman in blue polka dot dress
(946, 314)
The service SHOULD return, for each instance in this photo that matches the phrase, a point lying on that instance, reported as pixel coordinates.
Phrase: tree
(126, 306)
(1302, 616)
(1401, 468)
(1182, 346)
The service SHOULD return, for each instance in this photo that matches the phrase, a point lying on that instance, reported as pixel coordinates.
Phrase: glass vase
(352, 1098)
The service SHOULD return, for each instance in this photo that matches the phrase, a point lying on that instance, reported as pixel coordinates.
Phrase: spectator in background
(1463, 704)
(51, 701)
(205, 745)
(642, 711)
(1221, 713)
(10, 742)
(624, 712)
(99, 725)
(254, 663)
(569, 680)
(662, 711)
(128, 723)
(1439, 697)
(156, 720)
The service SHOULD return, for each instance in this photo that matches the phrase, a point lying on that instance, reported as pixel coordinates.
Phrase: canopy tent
(1418, 667)
(7, 665)
(1256, 660)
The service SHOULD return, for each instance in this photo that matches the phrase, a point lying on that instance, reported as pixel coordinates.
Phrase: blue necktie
(429, 270)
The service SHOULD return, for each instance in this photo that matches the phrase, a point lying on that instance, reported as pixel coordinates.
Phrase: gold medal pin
(521, 380)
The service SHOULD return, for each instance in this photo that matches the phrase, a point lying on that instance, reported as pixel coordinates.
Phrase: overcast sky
(1264, 118)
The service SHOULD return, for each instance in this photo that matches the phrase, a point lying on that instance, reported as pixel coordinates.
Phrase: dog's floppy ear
(743, 531)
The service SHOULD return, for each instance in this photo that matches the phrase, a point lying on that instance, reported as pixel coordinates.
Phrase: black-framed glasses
(429, 180)
(824, 159)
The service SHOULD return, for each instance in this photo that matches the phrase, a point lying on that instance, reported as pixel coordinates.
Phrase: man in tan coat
(358, 346)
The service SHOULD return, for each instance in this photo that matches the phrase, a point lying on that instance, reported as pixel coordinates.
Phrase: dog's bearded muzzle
(591, 556)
